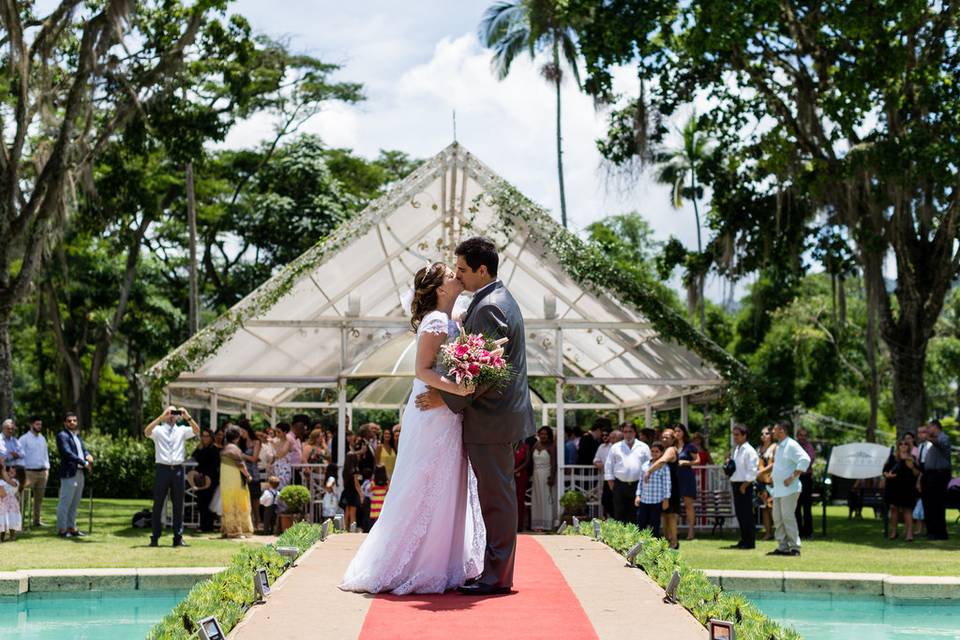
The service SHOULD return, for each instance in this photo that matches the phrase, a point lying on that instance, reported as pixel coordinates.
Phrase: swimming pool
(825, 617)
(88, 615)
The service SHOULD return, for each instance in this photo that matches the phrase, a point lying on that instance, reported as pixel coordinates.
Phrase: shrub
(698, 595)
(295, 497)
(123, 466)
(573, 502)
(229, 593)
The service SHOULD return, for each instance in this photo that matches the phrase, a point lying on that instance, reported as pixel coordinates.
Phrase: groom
(493, 420)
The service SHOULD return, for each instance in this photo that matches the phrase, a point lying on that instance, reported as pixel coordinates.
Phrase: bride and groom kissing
(450, 517)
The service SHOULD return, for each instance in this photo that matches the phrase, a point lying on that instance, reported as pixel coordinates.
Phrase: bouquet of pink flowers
(476, 359)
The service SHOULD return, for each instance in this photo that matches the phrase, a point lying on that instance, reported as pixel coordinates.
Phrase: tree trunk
(563, 195)
(700, 277)
(873, 383)
(842, 301)
(194, 314)
(909, 401)
(6, 369)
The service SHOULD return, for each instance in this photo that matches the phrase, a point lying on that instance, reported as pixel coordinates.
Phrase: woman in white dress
(544, 482)
(430, 536)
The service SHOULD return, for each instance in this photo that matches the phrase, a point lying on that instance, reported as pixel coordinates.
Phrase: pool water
(826, 617)
(90, 615)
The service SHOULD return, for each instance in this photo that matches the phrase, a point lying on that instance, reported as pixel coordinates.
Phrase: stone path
(620, 602)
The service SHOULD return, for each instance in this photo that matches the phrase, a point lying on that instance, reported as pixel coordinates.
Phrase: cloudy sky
(418, 63)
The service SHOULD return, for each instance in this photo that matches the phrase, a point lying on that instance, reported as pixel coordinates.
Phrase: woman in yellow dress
(234, 496)
(387, 452)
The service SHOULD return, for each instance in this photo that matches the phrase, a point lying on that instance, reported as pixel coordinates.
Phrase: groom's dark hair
(479, 251)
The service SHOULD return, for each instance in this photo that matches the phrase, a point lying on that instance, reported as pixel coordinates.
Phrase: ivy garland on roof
(587, 265)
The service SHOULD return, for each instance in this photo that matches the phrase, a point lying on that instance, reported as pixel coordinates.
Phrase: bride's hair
(425, 285)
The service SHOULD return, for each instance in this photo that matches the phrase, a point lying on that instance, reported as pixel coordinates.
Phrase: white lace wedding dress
(430, 535)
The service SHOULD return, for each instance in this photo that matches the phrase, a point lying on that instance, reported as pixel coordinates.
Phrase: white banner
(858, 460)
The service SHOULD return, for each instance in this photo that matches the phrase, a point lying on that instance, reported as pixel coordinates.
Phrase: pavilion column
(342, 402)
(621, 416)
(273, 416)
(544, 415)
(249, 410)
(685, 411)
(214, 410)
(648, 416)
(561, 463)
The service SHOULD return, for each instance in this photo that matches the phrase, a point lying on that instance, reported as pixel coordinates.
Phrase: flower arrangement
(474, 359)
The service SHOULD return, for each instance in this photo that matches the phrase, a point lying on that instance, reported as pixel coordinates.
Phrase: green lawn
(850, 545)
(112, 544)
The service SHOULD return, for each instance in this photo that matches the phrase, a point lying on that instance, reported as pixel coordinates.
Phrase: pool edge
(898, 588)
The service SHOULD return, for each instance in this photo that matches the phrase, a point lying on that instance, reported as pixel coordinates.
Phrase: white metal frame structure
(334, 315)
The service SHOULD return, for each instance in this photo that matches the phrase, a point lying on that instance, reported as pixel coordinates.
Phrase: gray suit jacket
(505, 415)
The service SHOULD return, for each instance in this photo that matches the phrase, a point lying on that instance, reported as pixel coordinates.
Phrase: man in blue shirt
(653, 493)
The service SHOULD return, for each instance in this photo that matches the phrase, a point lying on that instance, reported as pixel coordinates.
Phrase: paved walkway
(618, 601)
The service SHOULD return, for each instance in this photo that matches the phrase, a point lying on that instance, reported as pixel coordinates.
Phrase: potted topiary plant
(295, 498)
(574, 503)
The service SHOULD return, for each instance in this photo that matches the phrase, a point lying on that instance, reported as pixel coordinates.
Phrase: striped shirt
(376, 501)
(655, 489)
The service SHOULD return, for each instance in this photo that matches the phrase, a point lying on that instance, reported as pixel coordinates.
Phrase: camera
(176, 412)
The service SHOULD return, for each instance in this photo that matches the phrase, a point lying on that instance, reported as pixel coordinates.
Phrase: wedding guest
(378, 492)
(805, 503)
(36, 463)
(791, 461)
(767, 452)
(169, 441)
(218, 439)
(207, 457)
(329, 507)
(746, 462)
(622, 472)
(251, 460)
(570, 437)
(918, 514)
(268, 500)
(75, 463)
(314, 453)
(234, 496)
(936, 466)
(268, 452)
(900, 488)
(396, 437)
(387, 452)
(11, 452)
(591, 441)
(366, 497)
(600, 461)
(671, 514)
(648, 435)
(350, 495)
(282, 448)
(544, 498)
(10, 518)
(522, 457)
(703, 455)
(368, 451)
(653, 492)
(687, 480)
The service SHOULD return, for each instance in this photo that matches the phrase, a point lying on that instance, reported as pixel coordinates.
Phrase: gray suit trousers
(493, 466)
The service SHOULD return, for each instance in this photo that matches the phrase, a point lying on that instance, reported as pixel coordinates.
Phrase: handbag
(729, 467)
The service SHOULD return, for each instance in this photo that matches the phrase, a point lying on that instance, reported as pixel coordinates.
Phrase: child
(653, 494)
(268, 500)
(379, 492)
(329, 505)
(366, 494)
(10, 520)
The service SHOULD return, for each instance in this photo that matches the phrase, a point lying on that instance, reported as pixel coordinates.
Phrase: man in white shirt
(789, 462)
(622, 472)
(170, 442)
(746, 461)
(36, 463)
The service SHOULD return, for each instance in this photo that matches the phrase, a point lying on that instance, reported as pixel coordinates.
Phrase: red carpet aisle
(543, 606)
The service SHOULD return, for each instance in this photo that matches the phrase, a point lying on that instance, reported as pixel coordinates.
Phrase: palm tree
(678, 168)
(535, 26)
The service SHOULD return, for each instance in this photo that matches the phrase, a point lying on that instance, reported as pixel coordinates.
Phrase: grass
(850, 546)
(112, 544)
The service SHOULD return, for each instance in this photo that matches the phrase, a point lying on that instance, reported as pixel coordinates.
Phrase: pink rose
(461, 350)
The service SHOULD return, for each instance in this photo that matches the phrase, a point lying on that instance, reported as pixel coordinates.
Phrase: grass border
(229, 594)
(695, 593)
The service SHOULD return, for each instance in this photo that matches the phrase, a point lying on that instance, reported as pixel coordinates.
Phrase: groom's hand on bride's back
(429, 399)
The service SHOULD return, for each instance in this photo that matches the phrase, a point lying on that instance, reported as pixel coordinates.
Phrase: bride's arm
(427, 350)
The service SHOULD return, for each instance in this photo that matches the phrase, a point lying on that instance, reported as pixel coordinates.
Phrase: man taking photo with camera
(170, 439)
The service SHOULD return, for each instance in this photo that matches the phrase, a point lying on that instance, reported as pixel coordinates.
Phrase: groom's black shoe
(480, 589)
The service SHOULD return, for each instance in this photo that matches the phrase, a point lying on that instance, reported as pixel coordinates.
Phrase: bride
(430, 536)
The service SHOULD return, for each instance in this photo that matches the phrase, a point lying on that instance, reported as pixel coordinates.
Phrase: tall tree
(534, 26)
(72, 78)
(679, 168)
(848, 105)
